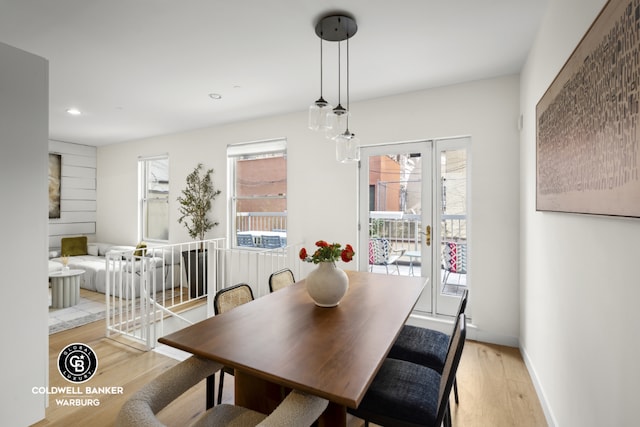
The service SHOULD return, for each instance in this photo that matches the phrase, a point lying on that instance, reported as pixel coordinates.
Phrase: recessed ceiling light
(215, 96)
(74, 111)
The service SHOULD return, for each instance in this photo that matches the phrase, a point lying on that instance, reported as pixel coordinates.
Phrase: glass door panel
(395, 212)
(452, 209)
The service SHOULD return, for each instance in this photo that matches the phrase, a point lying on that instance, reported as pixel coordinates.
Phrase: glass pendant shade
(318, 114)
(347, 147)
(337, 121)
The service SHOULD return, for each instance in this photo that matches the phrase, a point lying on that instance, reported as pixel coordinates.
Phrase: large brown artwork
(55, 169)
(587, 147)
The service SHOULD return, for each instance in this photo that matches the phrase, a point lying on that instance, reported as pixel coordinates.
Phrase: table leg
(334, 416)
(255, 393)
(56, 293)
(264, 396)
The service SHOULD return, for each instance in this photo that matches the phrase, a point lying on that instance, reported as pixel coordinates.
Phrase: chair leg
(455, 389)
(447, 417)
(220, 384)
(446, 277)
(211, 390)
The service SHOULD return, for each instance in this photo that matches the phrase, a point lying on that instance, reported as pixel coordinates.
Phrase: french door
(413, 216)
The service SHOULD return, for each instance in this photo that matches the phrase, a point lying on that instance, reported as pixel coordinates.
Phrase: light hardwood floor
(495, 387)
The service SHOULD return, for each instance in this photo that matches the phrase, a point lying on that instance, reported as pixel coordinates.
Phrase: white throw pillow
(92, 249)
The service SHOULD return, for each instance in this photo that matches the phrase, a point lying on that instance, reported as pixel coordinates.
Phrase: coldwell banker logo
(77, 363)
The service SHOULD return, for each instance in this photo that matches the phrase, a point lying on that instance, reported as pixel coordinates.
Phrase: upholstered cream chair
(297, 409)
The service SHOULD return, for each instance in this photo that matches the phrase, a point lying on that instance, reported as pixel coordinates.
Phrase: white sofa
(125, 269)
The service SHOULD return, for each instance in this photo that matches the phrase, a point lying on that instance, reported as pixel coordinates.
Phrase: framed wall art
(55, 169)
(587, 142)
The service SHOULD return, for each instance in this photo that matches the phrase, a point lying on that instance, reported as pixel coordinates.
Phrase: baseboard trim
(548, 414)
(445, 324)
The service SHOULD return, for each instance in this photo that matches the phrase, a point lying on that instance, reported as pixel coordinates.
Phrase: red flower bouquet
(328, 252)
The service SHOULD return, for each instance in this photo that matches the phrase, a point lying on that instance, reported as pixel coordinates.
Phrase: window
(153, 212)
(258, 205)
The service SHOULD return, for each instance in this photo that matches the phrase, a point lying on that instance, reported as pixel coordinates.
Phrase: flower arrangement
(328, 253)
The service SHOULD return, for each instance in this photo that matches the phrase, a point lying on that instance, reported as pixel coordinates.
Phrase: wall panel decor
(55, 169)
(78, 193)
(587, 142)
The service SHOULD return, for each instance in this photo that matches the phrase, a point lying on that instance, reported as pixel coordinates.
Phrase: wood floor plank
(495, 388)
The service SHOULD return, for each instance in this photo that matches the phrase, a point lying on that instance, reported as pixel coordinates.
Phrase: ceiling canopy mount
(336, 28)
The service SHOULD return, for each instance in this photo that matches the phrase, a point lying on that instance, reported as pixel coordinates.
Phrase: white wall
(579, 288)
(78, 192)
(23, 253)
(322, 193)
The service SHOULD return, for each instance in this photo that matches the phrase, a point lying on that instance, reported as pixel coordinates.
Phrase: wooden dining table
(283, 341)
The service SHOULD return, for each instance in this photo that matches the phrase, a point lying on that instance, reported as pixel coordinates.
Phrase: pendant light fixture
(318, 110)
(335, 28)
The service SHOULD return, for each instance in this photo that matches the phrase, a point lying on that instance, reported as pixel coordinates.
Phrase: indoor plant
(327, 284)
(195, 204)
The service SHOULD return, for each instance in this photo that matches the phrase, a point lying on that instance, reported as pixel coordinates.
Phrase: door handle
(427, 234)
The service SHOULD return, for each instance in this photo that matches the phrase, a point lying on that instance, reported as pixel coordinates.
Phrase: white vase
(327, 284)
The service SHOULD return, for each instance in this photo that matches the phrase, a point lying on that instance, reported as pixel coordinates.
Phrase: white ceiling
(139, 68)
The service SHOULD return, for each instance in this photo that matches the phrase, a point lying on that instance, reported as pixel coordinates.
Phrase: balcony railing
(404, 230)
(261, 221)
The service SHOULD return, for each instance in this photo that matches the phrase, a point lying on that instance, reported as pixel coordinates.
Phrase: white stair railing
(145, 293)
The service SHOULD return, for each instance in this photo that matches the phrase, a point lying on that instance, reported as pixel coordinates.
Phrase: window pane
(155, 199)
(157, 219)
(453, 190)
(260, 199)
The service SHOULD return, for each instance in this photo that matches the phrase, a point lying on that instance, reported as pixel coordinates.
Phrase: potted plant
(195, 204)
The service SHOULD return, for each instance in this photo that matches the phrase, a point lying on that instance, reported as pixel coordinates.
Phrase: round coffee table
(65, 288)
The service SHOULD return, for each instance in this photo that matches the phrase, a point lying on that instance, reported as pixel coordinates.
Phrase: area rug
(86, 311)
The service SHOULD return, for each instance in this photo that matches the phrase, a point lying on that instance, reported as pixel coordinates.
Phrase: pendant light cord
(339, 66)
(348, 105)
(320, 65)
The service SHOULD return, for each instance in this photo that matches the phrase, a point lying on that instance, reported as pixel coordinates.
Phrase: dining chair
(427, 347)
(224, 300)
(454, 259)
(245, 240)
(281, 279)
(270, 242)
(297, 409)
(382, 253)
(407, 394)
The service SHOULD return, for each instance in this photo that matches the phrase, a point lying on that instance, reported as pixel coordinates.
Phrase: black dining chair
(427, 347)
(281, 279)
(407, 394)
(225, 300)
